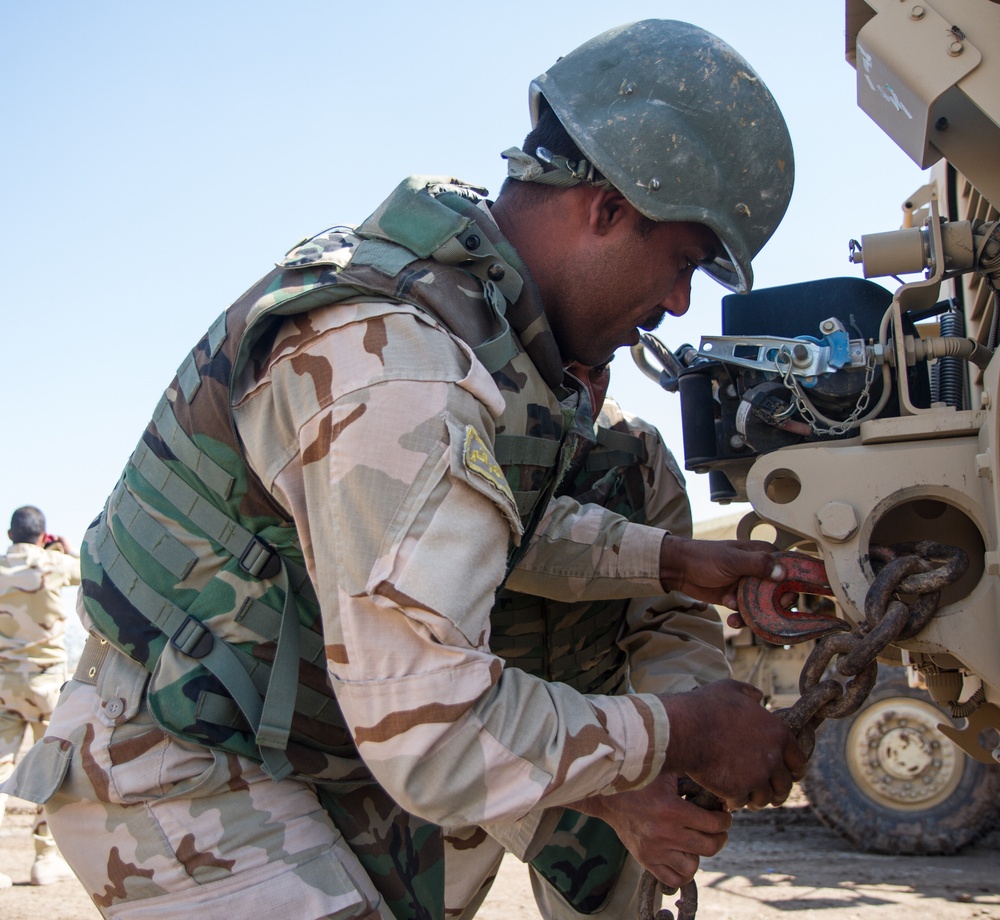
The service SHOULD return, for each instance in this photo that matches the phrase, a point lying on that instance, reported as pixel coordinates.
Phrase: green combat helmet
(681, 125)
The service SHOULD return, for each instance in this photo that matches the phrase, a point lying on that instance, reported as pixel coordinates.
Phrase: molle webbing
(573, 644)
(188, 376)
(518, 450)
(270, 717)
(615, 448)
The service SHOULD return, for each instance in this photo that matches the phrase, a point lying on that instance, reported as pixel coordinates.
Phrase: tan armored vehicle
(860, 421)
(886, 779)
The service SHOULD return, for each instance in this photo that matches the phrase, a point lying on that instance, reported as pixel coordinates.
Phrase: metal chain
(918, 570)
(783, 364)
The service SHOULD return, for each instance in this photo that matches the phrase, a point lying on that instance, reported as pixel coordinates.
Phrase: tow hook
(759, 602)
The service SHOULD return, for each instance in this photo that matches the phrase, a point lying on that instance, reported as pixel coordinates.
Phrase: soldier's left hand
(666, 834)
(710, 570)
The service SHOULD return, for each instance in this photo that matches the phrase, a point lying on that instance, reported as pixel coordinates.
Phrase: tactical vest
(576, 643)
(195, 572)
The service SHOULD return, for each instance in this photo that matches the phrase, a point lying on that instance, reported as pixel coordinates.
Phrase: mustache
(653, 320)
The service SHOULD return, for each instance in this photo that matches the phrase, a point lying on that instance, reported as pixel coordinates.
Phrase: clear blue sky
(156, 159)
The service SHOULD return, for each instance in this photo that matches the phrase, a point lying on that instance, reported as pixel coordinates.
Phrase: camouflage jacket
(32, 613)
(397, 461)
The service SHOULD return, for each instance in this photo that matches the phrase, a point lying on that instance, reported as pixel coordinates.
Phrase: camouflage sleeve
(361, 424)
(674, 643)
(586, 552)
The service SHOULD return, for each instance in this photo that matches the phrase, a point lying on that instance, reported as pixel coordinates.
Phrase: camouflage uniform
(32, 652)
(399, 464)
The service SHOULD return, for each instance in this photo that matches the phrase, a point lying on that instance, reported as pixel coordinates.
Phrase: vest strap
(615, 448)
(515, 449)
(193, 638)
(165, 548)
(184, 449)
(95, 651)
(264, 621)
(500, 349)
(385, 257)
(256, 557)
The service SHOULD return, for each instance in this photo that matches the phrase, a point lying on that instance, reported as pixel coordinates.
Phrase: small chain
(920, 569)
(783, 365)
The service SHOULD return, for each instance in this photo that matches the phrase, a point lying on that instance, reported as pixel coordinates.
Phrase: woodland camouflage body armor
(576, 644)
(195, 572)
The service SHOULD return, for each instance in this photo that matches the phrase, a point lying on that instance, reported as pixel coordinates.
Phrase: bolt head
(838, 521)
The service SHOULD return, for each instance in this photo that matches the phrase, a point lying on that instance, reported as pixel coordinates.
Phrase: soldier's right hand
(728, 743)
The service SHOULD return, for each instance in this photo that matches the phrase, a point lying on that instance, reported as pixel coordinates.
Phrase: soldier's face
(624, 280)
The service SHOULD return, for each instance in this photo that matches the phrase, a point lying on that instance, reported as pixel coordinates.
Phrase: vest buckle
(260, 559)
(192, 638)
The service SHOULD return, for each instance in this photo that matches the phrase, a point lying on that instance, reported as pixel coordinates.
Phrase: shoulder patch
(480, 461)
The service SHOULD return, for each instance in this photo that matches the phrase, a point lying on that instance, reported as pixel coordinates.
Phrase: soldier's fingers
(675, 867)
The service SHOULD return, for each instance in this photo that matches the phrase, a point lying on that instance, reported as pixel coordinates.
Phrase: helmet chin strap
(550, 169)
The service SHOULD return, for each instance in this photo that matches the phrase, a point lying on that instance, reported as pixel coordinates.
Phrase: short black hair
(27, 524)
(550, 134)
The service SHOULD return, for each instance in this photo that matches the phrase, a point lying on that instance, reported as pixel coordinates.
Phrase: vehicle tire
(890, 782)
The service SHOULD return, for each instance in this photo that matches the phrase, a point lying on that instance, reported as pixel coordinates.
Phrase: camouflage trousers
(427, 872)
(27, 701)
(155, 827)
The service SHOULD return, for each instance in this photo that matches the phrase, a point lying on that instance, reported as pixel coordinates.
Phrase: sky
(157, 159)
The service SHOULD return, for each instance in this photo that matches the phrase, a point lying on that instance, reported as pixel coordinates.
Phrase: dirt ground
(779, 863)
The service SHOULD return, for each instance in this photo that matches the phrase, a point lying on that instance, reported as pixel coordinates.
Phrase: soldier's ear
(608, 209)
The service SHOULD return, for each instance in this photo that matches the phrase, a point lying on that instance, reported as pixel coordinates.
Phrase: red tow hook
(759, 602)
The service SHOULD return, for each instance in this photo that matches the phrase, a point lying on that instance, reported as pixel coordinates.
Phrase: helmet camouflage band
(683, 127)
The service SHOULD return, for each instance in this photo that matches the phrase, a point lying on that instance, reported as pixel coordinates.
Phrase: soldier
(290, 696)
(32, 657)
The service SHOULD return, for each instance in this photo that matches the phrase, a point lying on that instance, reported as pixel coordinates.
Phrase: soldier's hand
(666, 834)
(727, 742)
(710, 570)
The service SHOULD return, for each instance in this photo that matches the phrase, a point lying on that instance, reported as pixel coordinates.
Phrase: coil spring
(949, 373)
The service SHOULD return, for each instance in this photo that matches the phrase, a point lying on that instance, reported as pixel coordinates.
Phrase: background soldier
(32, 656)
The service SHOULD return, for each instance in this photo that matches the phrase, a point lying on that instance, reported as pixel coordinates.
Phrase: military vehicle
(860, 423)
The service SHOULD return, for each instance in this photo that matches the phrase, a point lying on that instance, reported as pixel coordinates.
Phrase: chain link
(909, 569)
